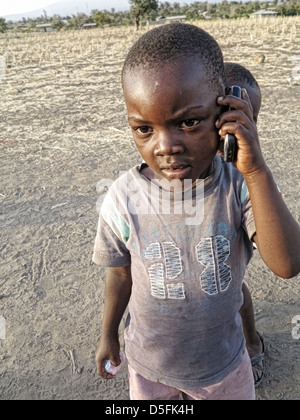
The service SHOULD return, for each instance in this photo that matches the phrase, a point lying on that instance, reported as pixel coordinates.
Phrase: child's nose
(168, 144)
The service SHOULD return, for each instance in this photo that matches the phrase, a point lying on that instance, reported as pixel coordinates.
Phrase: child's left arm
(277, 232)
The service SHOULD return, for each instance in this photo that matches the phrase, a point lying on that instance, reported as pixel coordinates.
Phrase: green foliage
(101, 18)
(57, 23)
(140, 8)
(3, 25)
(151, 9)
(73, 22)
(288, 9)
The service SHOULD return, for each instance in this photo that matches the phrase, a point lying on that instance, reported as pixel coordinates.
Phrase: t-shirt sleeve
(248, 216)
(113, 232)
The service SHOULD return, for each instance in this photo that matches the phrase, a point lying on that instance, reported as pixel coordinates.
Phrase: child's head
(239, 75)
(167, 44)
(171, 78)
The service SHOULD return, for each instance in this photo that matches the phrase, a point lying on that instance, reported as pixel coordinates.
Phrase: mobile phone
(230, 143)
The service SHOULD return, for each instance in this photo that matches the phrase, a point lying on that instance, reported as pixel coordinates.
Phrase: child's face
(172, 113)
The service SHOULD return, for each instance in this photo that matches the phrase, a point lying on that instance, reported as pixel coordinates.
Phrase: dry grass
(66, 80)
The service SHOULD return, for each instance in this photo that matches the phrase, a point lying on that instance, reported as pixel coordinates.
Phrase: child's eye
(189, 123)
(143, 130)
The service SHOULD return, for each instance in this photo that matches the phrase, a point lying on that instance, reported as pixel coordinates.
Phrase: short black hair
(168, 43)
(240, 74)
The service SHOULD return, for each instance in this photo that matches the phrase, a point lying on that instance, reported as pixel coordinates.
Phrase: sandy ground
(62, 130)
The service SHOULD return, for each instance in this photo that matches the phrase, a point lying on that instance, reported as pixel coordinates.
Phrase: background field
(63, 128)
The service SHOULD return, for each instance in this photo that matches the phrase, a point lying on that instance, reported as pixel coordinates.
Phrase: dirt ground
(62, 130)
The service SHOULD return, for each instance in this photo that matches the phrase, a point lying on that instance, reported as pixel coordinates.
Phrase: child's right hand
(240, 122)
(108, 349)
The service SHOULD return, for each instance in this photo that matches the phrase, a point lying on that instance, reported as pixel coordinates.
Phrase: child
(239, 75)
(182, 274)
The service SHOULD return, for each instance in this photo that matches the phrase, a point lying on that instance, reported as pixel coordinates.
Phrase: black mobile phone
(230, 142)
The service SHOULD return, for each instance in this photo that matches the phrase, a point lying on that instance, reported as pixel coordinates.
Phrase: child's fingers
(102, 372)
(246, 98)
(100, 363)
(233, 116)
(233, 128)
(235, 103)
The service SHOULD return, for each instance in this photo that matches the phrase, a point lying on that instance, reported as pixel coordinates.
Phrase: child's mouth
(176, 171)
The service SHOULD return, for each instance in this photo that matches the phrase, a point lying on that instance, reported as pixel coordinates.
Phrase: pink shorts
(239, 385)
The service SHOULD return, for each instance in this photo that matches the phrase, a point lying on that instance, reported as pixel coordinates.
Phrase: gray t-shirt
(188, 256)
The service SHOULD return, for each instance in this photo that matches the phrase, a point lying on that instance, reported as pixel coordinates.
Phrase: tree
(3, 25)
(140, 8)
(192, 14)
(57, 23)
(176, 6)
(73, 23)
(82, 18)
(45, 16)
(101, 18)
(31, 23)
